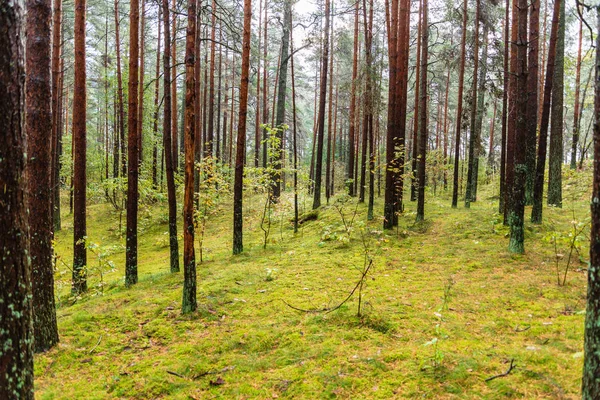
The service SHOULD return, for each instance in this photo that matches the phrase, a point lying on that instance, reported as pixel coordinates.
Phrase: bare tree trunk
(517, 203)
(423, 123)
(16, 335)
(469, 195)
(416, 117)
(591, 364)
(79, 153)
(505, 89)
(459, 107)
(575, 140)
(174, 131)
(329, 122)
(38, 112)
(57, 84)
(321, 118)
(352, 111)
(257, 112)
(120, 92)
(131, 274)
(238, 188)
(167, 144)
(538, 190)
(532, 89)
(156, 108)
(282, 91)
(140, 118)
(555, 159)
(294, 130)
(189, 303)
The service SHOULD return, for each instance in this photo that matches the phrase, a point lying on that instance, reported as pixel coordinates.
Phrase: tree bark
(459, 107)
(321, 117)
(16, 335)
(38, 103)
(538, 189)
(189, 303)
(57, 84)
(555, 159)
(282, 91)
(423, 120)
(167, 144)
(133, 165)
(532, 93)
(575, 140)
(238, 188)
(591, 363)
(79, 153)
(517, 203)
(120, 92)
(352, 111)
(469, 195)
(503, 127)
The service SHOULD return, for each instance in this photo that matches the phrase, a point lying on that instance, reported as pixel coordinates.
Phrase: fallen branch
(176, 374)
(94, 348)
(510, 368)
(331, 309)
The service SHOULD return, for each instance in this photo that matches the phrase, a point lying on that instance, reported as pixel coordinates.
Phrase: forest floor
(444, 308)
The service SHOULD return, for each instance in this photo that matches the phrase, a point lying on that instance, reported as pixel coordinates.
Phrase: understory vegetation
(447, 311)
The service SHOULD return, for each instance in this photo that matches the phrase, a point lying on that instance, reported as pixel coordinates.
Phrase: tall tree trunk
(368, 117)
(538, 189)
(211, 101)
(423, 123)
(294, 130)
(321, 118)
(591, 363)
(226, 102)
(555, 159)
(392, 171)
(532, 93)
(16, 335)
(140, 118)
(238, 187)
(352, 111)
(156, 108)
(511, 133)
(131, 274)
(575, 140)
(174, 131)
(265, 105)
(218, 149)
(38, 112)
(473, 137)
(189, 303)
(329, 121)
(282, 91)
(257, 112)
(57, 84)
(79, 153)
(120, 92)
(416, 116)
(459, 107)
(481, 110)
(517, 203)
(503, 127)
(167, 144)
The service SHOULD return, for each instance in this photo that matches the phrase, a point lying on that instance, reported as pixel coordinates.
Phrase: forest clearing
(257, 199)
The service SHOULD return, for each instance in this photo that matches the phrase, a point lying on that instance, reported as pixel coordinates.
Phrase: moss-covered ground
(445, 307)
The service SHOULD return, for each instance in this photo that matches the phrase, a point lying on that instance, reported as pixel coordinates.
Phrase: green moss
(121, 343)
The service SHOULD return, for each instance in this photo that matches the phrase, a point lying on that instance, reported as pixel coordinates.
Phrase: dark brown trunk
(459, 107)
(538, 188)
(238, 246)
(189, 303)
(167, 144)
(321, 117)
(38, 111)
(133, 165)
(16, 335)
(79, 153)
(423, 123)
